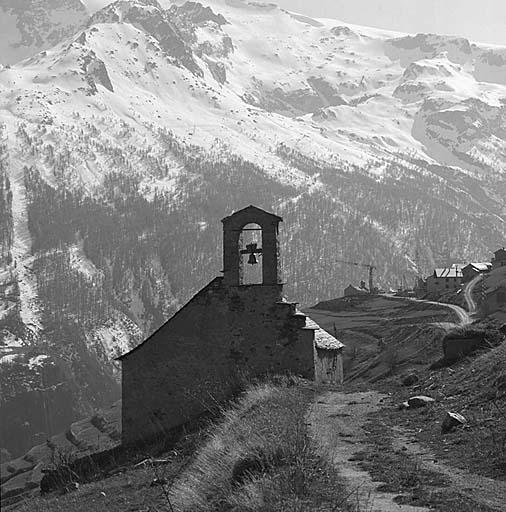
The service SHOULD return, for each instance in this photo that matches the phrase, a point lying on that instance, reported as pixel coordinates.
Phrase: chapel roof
(323, 340)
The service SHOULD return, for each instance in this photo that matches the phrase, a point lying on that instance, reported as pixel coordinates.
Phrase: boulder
(410, 380)
(451, 421)
(419, 401)
(458, 345)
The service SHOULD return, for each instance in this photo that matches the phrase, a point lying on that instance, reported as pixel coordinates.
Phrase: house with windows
(239, 325)
(495, 300)
(444, 280)
(471, 270)
(499, 259)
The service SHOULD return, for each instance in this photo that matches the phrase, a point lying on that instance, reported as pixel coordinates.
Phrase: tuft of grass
(259, 458)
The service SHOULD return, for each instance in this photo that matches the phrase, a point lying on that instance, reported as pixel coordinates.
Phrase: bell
(252, 260)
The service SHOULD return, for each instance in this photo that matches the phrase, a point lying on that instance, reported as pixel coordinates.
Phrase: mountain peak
(162, 25)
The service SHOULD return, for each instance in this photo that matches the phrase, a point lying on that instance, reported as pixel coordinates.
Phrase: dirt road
(339, 427)
(337, 422)
(468, 293)
(464, 318)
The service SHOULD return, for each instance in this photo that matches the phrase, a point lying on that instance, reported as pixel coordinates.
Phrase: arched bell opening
(251, 255)
(260, 263)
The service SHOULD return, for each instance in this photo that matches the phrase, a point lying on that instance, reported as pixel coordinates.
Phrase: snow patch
(80, 262)
(37, 361)
(9, 359)
(117, 336)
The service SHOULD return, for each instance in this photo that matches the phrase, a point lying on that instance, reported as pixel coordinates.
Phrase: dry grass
(492, 335)
(404, 474)
(129, 490)
(476, 388)
(259, 459)
(129, 487)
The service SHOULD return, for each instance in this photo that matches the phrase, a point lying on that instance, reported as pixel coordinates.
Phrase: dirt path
(464, 318)
(339, 426)
(468, 293)
(337, 423)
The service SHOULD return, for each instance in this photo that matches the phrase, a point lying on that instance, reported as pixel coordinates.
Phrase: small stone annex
(228, 330)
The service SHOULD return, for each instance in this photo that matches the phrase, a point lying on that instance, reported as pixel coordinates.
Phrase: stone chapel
(230, 328)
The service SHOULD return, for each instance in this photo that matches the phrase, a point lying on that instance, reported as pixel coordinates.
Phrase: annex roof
(323, 340)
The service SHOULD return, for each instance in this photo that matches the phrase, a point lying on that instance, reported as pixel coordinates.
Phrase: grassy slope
(256, 458)
(382, 335)
(130, 487)
(260, 459)
(476, 388)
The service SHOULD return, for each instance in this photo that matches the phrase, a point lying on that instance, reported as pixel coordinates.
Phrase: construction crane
(371, 268)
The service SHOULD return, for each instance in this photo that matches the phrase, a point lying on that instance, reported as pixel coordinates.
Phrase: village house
(494, 293)
(420, 288)
(495, 300)
(499, 259)
(229, 330)
(470, 271)
(353, 291)
(444, 280)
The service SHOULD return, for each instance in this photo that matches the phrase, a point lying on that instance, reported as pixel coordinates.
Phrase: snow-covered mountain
(135, 131)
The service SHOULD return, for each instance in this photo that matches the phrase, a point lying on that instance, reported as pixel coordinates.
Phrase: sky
(478, 20)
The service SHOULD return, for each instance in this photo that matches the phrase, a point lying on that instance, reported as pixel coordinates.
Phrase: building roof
(442, 273)
(252, 211)
(481, 267)
(356, 289)
(323, 340)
